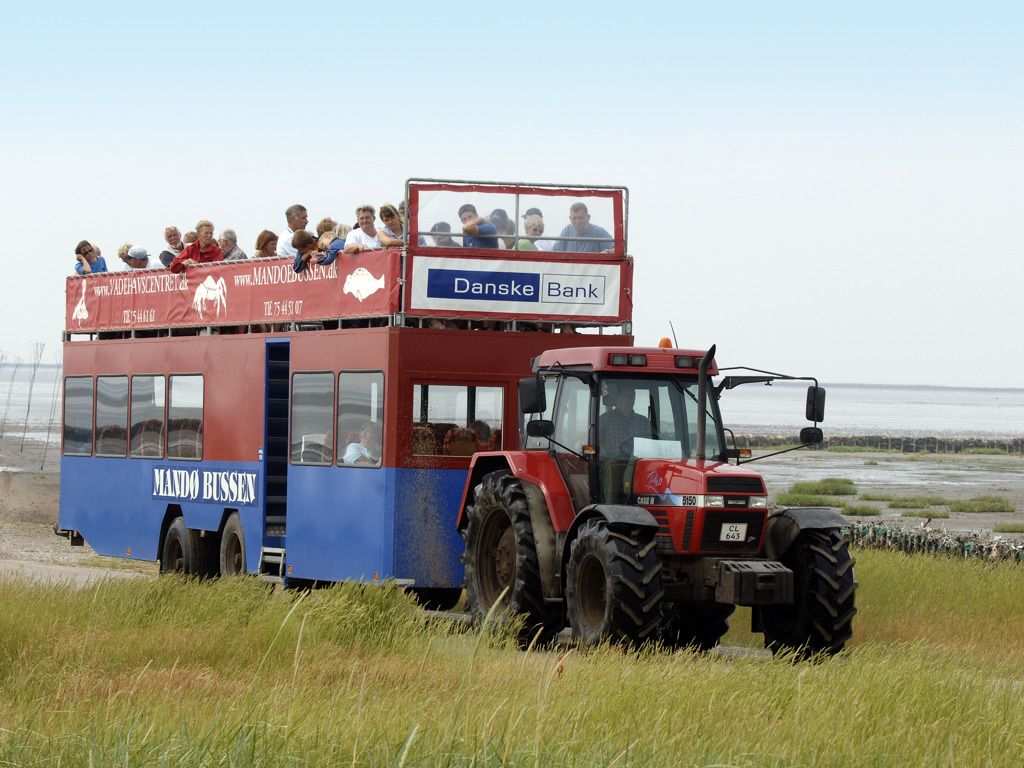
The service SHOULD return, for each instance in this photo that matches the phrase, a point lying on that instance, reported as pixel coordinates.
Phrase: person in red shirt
(202, 251)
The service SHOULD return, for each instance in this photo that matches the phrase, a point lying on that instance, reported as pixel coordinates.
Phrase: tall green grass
(170, 672)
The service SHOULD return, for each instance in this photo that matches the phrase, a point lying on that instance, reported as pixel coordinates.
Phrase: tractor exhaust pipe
(702, 394)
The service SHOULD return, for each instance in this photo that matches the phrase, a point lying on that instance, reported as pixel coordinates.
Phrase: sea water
(779, 409)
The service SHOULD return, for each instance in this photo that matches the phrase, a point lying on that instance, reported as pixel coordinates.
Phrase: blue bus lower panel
(356, 524)
(119, 505)
(343, 523)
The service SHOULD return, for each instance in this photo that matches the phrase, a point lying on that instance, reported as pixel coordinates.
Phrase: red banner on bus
(236, 293)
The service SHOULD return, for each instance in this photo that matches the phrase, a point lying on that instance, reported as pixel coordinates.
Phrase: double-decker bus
(319, 426)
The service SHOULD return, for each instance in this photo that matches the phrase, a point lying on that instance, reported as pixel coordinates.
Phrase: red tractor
(623, 517)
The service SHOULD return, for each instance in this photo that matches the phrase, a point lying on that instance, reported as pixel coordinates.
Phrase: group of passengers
(496, 231)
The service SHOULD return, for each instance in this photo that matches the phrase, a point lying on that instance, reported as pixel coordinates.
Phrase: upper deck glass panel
(535, 219)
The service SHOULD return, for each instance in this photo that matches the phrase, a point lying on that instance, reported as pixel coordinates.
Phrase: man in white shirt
(367, 450)
(297, 219)
(364, 236)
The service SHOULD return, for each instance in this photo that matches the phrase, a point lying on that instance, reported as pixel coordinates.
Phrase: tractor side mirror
(541, 428)
(816, 404)
(531, 395)
(811, 436)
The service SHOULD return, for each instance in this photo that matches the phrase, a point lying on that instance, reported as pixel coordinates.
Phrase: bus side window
(360, 417)
(146, 439)
(185, 417)
(456, 420)
(112, 416)
(312, 417)
(77, 437)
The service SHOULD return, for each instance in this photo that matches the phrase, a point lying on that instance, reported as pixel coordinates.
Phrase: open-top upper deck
(571, 274)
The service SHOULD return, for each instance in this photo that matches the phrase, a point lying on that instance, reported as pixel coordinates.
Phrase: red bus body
(135, 340)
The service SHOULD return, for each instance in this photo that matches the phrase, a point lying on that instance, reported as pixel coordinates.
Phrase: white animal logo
(211, 290)
(81, 312)
(362, 284)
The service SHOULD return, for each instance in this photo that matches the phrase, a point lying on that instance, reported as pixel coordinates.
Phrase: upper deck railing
(573, 273)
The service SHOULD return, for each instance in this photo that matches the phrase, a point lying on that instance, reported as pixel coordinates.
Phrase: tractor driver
(616, 430)
(619, 426)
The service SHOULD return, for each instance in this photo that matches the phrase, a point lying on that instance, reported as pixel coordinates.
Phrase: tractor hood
(669, 480)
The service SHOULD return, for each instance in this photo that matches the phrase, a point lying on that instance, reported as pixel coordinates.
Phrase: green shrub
(830, 486)
(934, 514)
(917, 502)
(1009, 528)
(876, 497)
(807, 500)
(982, 504)
(861, 510)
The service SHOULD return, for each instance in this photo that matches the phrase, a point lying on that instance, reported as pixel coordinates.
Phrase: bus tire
(501, 554)
(700, 627)
(232, 547)
(820, 618)
(613, 584)
(178, 552)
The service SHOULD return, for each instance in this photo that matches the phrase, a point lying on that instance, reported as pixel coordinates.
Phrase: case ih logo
(211, 290)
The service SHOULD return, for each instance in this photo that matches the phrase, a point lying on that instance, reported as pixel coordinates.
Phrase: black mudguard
(784, 525)
(615, 514)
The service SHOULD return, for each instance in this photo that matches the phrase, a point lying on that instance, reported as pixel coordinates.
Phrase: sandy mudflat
(29, 491)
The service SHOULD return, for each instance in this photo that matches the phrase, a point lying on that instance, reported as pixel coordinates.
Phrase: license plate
(733, 532)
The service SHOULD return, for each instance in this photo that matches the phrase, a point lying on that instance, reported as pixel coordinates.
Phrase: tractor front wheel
(820, 617)
(613, 584)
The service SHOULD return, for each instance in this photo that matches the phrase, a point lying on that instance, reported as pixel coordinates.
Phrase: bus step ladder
(272, 564)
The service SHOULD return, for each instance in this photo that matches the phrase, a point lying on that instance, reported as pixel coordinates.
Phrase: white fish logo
(211, 290)
(362, 284)
(81, 312)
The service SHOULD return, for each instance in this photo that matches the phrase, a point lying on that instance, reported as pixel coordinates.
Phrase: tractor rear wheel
(819, 619)
(501, 554)
(689, 625)
(613, 584)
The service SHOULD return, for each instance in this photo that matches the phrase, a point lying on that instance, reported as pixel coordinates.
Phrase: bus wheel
(501, 555)
(613, 584)
(178, 553)
(232, 547)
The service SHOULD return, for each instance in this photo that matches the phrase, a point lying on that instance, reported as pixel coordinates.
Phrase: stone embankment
(913, 444)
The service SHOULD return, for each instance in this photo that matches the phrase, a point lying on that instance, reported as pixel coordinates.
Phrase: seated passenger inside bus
(367, 450)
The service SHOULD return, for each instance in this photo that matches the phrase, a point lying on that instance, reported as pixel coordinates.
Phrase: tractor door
(572, 419)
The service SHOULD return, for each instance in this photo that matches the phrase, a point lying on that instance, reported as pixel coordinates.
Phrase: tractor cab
(602, 426)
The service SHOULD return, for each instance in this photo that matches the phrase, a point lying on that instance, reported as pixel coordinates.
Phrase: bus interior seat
(460, 441)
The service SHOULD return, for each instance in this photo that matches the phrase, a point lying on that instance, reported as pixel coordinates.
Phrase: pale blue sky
(823, 188)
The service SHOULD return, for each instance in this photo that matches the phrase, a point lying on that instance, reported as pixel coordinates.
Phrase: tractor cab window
(648, 418)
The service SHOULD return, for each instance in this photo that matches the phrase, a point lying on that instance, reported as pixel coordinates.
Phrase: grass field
(162, 671)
